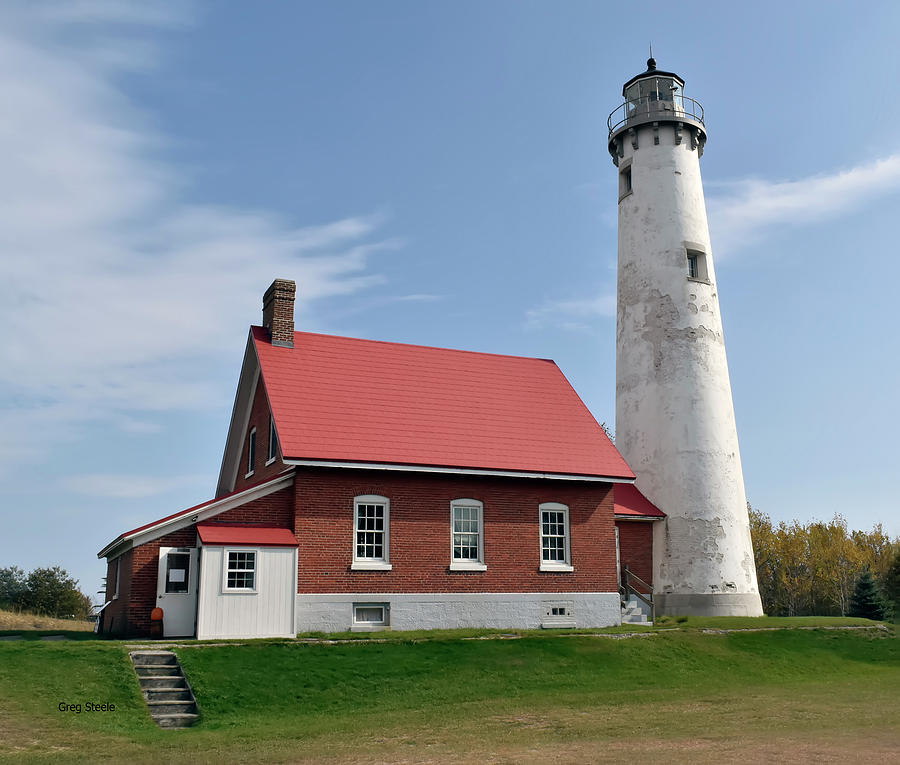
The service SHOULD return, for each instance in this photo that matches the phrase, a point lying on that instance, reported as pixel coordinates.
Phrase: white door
(176, 591)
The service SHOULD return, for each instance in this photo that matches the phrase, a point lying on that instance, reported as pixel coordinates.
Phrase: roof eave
(196, 514)
(454, 470)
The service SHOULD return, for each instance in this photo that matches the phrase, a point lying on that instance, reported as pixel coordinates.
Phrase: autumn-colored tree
(813, 568)
(765, 555)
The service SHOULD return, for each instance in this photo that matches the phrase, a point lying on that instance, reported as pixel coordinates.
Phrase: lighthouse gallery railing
(642, 110)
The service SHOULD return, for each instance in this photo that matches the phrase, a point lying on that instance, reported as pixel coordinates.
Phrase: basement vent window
(696, 266)
(370, 617)
(557, 614)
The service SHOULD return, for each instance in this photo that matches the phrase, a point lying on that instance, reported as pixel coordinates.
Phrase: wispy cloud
(576, 315)
(119, 486)
(116, 294)
(743, 211)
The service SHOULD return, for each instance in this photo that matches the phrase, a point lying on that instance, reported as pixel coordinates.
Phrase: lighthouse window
(625, 182)
(696, 265)
(624, 179)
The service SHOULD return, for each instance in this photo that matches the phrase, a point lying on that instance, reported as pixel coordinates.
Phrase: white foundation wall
(675, 421)
(268, 612)
(333, 612)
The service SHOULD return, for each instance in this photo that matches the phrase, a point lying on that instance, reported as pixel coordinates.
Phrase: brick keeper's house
(368, 485)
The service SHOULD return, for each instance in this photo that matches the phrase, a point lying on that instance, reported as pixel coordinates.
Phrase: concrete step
(162, 708)
(180, 720)
(154, 657)
(150, 683)
(166, 690)
(157, 670)
(168, 694)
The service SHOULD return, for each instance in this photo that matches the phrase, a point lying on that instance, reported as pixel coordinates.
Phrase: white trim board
(456, 471)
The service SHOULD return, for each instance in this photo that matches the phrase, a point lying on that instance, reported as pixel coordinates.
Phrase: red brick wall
(115, 614)
(420, 533)
(144, 569)
(276, 509)
(259, 418)
(140, 566)
(636, 547)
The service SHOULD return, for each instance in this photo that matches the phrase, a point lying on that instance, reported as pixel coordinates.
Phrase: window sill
(374, 565)
(557, 567)
(270, 461)
(233, 591)
(467, 566)
(697, 279)
(626, 194)
(249, 474)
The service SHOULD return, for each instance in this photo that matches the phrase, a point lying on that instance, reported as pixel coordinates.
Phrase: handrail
(640, 110)
(628, 589)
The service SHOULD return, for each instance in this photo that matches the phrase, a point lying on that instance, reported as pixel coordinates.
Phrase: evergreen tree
(866, 600)
(890, 586)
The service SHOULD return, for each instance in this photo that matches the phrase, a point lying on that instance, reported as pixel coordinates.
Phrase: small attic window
(273, 442)
(251, 452)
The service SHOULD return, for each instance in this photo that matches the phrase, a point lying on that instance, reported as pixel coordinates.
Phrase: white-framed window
(555, 543)
(467, 535)
(273, 442)
(239, 571)
(251, 452)
(371, 616)
(371, 533)
(118, 577)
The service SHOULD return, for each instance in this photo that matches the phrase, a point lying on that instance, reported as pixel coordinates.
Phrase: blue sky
(430, 173)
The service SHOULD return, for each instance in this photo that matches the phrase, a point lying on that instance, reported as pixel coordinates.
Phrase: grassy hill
(22, 620)
(678, 696)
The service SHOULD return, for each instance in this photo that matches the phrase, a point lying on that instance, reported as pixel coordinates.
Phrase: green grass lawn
(679, 696)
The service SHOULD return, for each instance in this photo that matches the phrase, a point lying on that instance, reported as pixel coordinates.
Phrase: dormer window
(251, 453)
(273, 442)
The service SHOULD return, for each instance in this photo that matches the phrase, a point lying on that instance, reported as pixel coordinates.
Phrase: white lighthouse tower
(674, 414)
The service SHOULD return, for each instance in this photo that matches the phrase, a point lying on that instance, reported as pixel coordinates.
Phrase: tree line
(814, 569)
(44, 591)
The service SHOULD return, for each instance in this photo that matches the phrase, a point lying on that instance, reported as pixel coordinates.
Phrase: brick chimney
(278, 312)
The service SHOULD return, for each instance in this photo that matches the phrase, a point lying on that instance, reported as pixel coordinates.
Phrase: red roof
(629, 501)
(212, 534)
(349, 400)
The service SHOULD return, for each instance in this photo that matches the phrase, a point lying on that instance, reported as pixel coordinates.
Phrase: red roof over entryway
(629, 501)
(259, 536)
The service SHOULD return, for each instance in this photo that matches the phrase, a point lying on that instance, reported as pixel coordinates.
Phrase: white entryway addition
(248, 582)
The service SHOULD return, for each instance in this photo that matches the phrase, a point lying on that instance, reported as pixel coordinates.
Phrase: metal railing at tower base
(629, 586)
